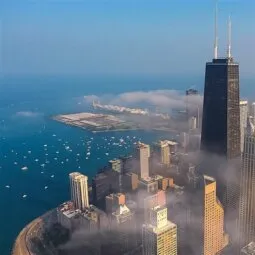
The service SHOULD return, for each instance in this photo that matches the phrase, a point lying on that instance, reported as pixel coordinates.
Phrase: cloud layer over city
(161, 98)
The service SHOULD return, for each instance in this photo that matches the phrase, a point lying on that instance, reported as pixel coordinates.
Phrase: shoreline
(33, 228)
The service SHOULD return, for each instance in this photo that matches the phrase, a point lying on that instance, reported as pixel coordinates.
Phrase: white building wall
(79, 190)
(243, 121)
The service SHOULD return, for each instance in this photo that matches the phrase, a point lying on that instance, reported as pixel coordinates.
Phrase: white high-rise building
(79, 190)
(252, 112)
(143, 153)
(160, 235)
(243, 121)
(184, 140)
(192, 123)
(247, 191)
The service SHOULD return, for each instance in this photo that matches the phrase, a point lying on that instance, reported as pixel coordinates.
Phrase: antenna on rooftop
(216, 30)
(229, 37)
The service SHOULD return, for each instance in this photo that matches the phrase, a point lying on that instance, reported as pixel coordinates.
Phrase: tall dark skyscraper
(220, 138)
(221, 112)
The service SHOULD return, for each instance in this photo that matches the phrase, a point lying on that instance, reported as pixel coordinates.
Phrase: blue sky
(121, 36)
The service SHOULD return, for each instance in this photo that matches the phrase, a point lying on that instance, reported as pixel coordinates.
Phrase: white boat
(55, 158)
(36, 160)
(7, 186)
(24, 196)
(87, 158)
(42, 172)
(52, 176)
(45, 145)
(29, 152)
(15, 163)
(46, 187)
(24, 168)
(106, 153)
(88, 153)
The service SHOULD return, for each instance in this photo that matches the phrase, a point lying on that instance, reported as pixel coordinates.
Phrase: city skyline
(155, 33)
(177, 192)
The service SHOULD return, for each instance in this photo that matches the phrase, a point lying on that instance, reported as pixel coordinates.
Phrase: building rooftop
(77, 176)
(208, 179)
(66, 206)
(142, 145)
(118, 195)
(92, 212)
(147, 180)
(161, 143)
(115, 160)
(243, 102)
(122, 209)
(249, 249)
(171, 142)
(151, 228)
(158, 177)
(158, 208)
(71, 213)
(74, 174)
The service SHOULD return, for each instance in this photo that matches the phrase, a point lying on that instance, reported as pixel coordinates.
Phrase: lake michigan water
(50, 150)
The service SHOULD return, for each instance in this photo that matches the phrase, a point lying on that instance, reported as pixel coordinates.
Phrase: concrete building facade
(143, 155)
(113, 201)
(247, 191)
(79, 190)
(159, 237)
(123, 222)
(162, 152)
(214, 237)
(243, 121)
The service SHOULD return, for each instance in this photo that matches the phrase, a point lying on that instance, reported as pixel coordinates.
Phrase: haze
(121, 36)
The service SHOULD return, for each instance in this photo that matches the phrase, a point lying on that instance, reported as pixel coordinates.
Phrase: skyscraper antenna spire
(216, 30)
(229, 37)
